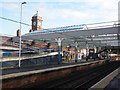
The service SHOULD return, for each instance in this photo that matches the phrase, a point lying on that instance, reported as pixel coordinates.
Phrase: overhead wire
(14, 21)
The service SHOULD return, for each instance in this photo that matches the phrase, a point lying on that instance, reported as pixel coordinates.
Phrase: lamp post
(20, 33)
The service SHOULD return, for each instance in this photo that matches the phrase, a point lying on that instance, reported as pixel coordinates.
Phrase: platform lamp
(20, 34)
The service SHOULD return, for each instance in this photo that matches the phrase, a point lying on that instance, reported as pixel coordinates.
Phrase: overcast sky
(56, 13)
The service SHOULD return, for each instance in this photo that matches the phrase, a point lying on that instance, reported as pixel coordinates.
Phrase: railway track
(81, 79)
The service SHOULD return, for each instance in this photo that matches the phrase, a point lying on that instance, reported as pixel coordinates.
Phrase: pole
(86, 51)
(59, 56)
(95, 49)
(20, 34)
(76, 45)
(59, 49)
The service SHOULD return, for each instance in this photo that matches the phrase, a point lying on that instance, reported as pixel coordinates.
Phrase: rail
(81, 79)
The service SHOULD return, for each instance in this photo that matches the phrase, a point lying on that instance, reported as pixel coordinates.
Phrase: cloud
(73, 15)
(10, 6)
(30, 0)
(91, 9)
(107, 4)
(89, 13)
(9, 0)
(63, 12)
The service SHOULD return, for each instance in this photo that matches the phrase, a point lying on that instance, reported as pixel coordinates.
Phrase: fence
(51, 58)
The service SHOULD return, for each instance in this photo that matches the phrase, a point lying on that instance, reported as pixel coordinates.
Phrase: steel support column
(86, 51)
(59, 49)
(76, 47)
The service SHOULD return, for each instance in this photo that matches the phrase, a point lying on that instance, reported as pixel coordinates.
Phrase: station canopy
(90, 35)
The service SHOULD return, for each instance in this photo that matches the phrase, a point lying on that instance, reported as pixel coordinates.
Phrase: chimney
(18, 33)
(30, 30)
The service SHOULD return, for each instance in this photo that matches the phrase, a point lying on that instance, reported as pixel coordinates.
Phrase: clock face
(34, 23)
(39, 24)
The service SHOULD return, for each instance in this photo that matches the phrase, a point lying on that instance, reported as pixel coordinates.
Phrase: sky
(56, 13)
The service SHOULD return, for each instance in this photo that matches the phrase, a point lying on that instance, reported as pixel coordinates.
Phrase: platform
(14, 80)
(114, 83)
(15, 72)
(110, 82)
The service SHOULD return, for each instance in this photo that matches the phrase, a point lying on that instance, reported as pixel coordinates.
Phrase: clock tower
(36, 22)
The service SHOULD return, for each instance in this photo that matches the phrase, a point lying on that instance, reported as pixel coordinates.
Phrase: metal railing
(77, 27)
